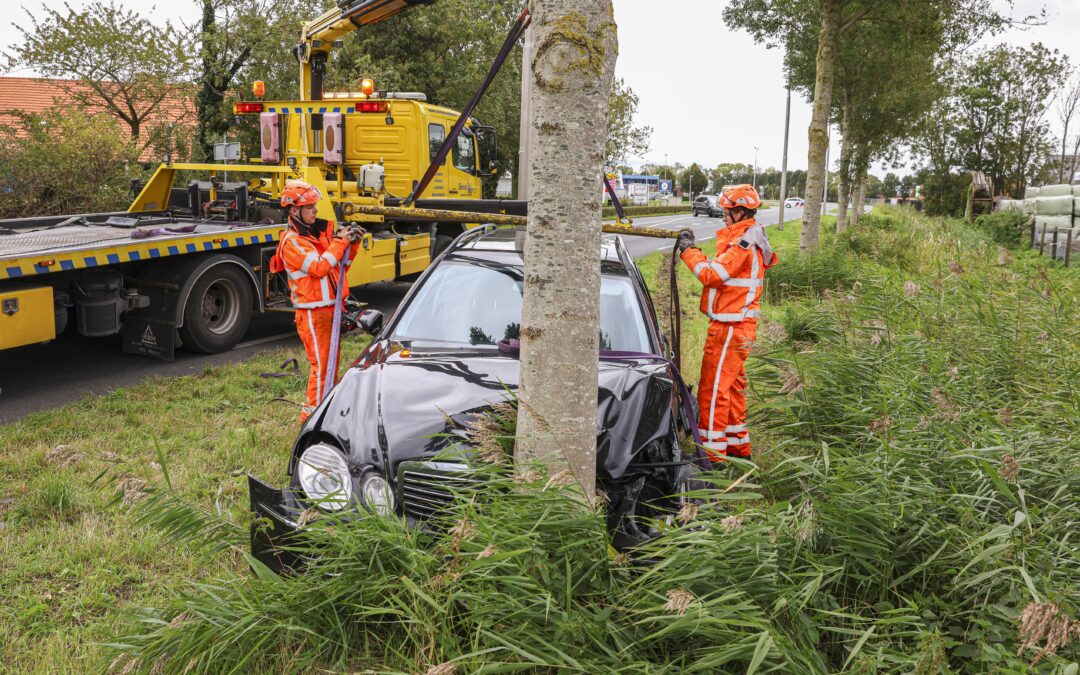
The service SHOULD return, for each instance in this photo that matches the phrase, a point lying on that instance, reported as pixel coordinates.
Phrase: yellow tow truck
(189, 262)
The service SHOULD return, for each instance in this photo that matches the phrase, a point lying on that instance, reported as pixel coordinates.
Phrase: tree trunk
(844, 185)
(828, 35)
(573, 63)
(859, 190)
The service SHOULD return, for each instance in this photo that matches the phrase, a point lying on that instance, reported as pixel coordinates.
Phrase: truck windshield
(478, 304)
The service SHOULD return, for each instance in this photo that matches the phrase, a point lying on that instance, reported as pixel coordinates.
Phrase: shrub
(1008, 227)
(631, 211)
(64, 162)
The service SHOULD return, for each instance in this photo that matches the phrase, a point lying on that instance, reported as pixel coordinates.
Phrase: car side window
(436, 137)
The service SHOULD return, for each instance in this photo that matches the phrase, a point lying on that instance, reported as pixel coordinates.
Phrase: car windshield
(478, 304)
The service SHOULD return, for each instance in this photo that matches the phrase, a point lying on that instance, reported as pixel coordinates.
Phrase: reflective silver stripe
(712, 435)
(736, 428)
(324, 285)
(318, 359)
(733, 317)
(308, 409)
(297, 275)
(745, 283)
(751, 291)
(715, 445)
(720, 270)
(698, 267)
(712, 297)
(309, 261)
(313, 305)
(330, 258)
(719, 369)
(734, 440)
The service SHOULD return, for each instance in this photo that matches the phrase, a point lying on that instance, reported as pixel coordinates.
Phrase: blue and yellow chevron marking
(135, 251)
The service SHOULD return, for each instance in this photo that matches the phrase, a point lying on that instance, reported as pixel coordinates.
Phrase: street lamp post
(755, 167)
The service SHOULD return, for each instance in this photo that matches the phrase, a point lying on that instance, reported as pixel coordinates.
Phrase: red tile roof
(36, 95)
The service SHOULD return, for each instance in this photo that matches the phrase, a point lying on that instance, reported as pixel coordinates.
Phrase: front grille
(426, 488)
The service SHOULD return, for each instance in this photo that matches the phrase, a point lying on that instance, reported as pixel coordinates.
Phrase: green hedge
(609, 211)
(1006, 227)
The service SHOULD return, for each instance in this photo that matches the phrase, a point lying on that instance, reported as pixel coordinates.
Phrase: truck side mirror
(371, 321)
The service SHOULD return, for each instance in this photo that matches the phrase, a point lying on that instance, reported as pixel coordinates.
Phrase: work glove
(354, 233)
(686, 240)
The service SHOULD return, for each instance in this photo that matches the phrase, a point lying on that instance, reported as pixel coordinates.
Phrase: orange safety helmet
(299, 193)
(740, 195)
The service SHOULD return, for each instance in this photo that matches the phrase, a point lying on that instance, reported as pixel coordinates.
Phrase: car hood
(406, 404)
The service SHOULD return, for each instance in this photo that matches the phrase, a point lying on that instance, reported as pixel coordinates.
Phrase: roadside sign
(665, 186)
(224, 152)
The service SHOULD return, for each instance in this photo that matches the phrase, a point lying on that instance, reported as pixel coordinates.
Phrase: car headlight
(377, 494)
(324, 476)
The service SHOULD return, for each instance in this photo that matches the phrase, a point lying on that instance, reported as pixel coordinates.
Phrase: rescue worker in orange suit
(733, 282)
(311, 256)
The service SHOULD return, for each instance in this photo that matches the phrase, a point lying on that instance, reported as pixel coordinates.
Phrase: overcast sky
(676, 55)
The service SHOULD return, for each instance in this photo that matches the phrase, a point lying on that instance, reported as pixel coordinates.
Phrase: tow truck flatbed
(75, 247)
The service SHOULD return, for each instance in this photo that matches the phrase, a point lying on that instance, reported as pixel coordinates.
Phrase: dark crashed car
(377, 444)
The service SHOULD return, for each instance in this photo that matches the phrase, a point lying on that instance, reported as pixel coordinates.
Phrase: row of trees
(870, 67)
(992, 113)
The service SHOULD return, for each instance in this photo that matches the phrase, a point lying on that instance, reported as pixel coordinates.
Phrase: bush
(64, 162)
(631, 211)
(1008, 227)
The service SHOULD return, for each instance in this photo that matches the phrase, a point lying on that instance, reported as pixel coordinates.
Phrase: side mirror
(371, 321)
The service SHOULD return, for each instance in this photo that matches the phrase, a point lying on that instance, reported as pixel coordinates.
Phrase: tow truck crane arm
(317, 37)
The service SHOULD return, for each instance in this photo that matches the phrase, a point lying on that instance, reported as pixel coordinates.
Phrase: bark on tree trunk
(859, 191)
(845, 168)
(831, 14)
(574, 51)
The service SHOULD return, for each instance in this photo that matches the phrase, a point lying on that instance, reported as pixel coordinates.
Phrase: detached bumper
(275, 529)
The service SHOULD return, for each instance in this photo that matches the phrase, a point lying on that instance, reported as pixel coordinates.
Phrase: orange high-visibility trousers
(315, 327)
(722, 389)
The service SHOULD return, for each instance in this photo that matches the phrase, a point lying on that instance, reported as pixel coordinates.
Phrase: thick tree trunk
(844, 186)
(573, 62)
(828, 35)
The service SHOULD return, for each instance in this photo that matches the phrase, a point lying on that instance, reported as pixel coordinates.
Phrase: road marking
(261, 341)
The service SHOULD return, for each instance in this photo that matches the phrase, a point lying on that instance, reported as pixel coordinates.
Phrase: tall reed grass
(914, 509)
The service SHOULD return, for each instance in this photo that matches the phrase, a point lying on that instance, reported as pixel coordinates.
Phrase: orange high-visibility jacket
(312, 264)
(734, 279)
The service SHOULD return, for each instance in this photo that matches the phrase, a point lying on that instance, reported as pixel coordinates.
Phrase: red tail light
(372, 106)
(239, 108)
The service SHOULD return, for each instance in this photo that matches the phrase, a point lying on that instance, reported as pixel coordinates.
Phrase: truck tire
(218, 310)
(442, 241)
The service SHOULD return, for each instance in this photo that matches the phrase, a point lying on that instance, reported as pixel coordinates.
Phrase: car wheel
(217, 311)
(695, 213)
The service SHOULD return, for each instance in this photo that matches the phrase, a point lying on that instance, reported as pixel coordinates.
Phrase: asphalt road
(44, 376)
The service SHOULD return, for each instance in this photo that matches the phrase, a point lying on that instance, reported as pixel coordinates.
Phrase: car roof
(505, 245)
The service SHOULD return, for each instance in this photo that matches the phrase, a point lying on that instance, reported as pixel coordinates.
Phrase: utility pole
(754, 181)
(783, 166)
(526, 115)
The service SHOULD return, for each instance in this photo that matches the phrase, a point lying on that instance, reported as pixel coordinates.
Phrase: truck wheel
(218, 310)
(442, 241)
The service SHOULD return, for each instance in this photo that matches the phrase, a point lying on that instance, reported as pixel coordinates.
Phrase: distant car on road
(708, 205)
(794, 202)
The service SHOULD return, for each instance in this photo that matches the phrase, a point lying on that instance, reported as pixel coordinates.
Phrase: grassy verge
(913, 509)
(72, 563)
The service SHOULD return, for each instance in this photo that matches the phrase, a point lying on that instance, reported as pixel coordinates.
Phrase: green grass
(913, 507)
(71, 564)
